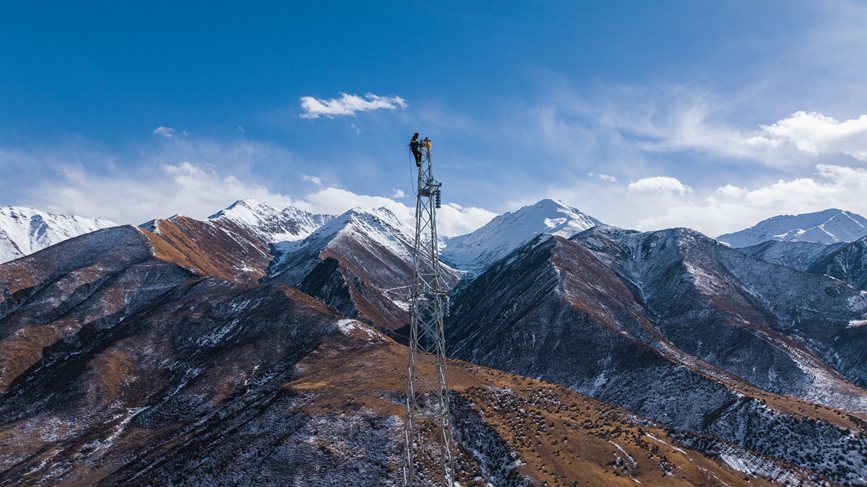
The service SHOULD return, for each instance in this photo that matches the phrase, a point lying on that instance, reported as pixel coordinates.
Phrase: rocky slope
(844, 261)
(797, 255)
(235, 243)
(25, 230)
(847, 262)
(677, 328)
(827, 227)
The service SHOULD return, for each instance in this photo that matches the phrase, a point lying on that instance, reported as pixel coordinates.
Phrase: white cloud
(659, 184)
(334, 200)
(166, 132)
(312, 179)
(731, 190)
(620, 126)
(397, 193)
(176, 188)
(722, 209)
(348, 105)
(730, 208)
(816, 134)
(452, 219)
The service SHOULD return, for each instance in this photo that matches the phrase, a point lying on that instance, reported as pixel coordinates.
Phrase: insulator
(438, 202)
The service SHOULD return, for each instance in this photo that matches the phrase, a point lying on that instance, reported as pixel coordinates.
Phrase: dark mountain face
(713, 303)
(669, 324)
(800, 256)
(721, 306)
(844, 261)
(847, 263)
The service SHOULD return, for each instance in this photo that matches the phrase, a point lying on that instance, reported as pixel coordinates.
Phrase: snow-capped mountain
(827, 227)
(235, 243)
(477, 250)
(359, 263)
(24, 231)
(374, 227)
(272, 224)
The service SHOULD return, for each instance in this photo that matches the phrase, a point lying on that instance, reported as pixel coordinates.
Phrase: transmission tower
(428, 424)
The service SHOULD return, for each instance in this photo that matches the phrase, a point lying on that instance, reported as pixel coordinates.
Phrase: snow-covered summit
(378, 225)
(827, 227)
(24, 231)
(288, 224)
(475, 251)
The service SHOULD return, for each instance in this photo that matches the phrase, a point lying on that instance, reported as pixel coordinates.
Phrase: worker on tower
(413, 146)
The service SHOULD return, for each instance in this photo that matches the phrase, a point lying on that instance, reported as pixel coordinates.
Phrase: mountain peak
(364, 220)
(475, 251)
(828, 226)
(242, 208)
(547, 202)
(272, 224)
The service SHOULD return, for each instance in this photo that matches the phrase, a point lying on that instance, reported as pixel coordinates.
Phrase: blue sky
(644, 114)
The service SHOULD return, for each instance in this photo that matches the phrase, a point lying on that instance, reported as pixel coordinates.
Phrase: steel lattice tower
(428, 424)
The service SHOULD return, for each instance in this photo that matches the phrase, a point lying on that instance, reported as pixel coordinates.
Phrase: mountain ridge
(25, 230)
(827, 226)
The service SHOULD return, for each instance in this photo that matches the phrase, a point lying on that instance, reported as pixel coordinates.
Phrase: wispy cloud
(347, 105)
(166, 132)
(180, 187)
(634, 123)
(605, 177)
(312, 179)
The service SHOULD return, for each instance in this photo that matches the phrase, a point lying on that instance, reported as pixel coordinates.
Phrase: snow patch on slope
(358, 329)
